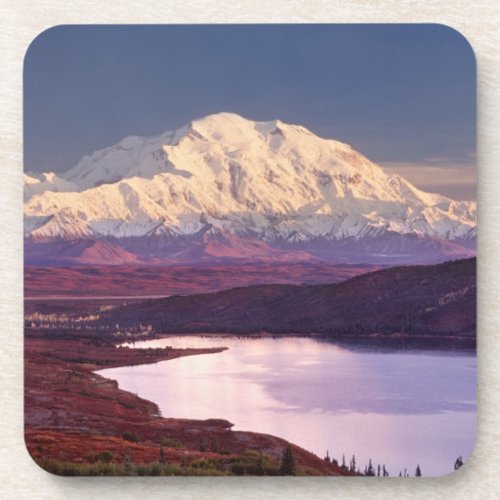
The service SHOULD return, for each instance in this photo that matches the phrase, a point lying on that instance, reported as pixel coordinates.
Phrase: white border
(22, 21)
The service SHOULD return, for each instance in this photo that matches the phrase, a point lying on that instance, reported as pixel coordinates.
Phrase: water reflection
(393, 402)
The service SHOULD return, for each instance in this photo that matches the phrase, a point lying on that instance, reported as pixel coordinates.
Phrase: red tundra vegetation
(78, 422)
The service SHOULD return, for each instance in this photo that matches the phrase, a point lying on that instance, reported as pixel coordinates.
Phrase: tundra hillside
(437, 300)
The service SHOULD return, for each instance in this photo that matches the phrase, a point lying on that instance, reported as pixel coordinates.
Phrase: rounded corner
(34, 459)
(37, 39)
(461, 37)
(464, 459)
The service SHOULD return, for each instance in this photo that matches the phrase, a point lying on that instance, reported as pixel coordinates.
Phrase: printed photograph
(250, 250)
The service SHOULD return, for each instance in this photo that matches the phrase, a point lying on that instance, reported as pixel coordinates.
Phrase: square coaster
(250, 250)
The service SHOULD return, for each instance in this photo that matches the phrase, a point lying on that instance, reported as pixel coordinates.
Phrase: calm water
(398, 406)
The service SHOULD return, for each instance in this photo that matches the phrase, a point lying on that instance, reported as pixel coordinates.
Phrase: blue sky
(403, 95)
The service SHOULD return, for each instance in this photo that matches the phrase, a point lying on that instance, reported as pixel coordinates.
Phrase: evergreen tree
(378, 470)
(128, 465)
(162, 456)
(327, 457)
(203, 446)
(343, 461)
(287, 462)
(260, 465)
(215, 446)
(418, 472)
(385, 473)
(459, 462)
(352, 466)
(369, 470)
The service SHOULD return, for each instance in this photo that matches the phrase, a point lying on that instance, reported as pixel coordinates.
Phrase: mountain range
(224, 188)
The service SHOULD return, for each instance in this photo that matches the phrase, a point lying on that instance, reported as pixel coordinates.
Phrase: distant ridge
(433, 300)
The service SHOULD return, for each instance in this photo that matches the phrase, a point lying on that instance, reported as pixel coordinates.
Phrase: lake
(396, 403)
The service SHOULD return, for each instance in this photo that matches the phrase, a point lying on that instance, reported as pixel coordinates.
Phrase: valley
(133, 280)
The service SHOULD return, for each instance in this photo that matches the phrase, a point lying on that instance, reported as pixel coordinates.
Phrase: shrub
(170, 443)
(254, 463)
(105, 456)
(130, 436)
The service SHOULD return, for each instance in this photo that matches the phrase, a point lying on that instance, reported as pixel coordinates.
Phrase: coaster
(250, 250)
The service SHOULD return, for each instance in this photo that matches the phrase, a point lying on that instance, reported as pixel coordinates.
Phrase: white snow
(269, 179)
(48, 181)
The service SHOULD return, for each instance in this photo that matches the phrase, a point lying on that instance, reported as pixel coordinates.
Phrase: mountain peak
(267, 180)
(230, 127)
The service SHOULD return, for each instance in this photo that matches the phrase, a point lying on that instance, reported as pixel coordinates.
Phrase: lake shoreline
(403, 336)
(74, 415)
(289, 379)
(451, 343)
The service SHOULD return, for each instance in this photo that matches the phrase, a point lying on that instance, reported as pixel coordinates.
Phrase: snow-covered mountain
(227, 179)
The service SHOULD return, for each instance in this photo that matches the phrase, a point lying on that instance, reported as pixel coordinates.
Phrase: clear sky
(403, 95)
